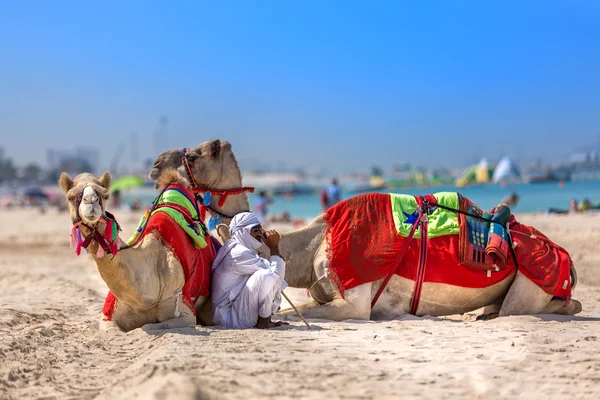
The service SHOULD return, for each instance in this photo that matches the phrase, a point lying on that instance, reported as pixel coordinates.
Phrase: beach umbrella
(126, 182)
(35, 192)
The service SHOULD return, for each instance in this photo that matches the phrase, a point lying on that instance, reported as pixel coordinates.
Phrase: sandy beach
(50, 345)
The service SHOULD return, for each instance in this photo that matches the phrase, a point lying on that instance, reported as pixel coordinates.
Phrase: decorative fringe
(177, 313)
(206, 199)
(101, 253)
(73, 236)
(108, 230)
(115, 228)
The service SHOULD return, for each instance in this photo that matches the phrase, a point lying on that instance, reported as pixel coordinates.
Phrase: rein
(209, 192)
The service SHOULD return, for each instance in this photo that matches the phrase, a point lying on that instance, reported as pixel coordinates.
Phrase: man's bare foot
(266, 323)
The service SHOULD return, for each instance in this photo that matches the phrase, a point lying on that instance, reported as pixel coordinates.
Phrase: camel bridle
(203, 193)
(105, 242)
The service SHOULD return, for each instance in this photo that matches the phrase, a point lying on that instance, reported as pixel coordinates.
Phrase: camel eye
(192, 157)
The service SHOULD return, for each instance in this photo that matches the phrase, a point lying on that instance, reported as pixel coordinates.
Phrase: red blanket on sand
(363, 245)
(196, 263)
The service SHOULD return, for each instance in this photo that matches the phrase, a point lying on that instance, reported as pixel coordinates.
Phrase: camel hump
(171, 176)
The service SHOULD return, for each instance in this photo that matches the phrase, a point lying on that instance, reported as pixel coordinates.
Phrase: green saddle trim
(174, 196)
(441, 222)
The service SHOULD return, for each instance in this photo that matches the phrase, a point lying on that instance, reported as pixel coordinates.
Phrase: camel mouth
(91, 219)
(154, 174)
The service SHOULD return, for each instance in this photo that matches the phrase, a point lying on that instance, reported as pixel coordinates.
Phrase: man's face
(257, 232)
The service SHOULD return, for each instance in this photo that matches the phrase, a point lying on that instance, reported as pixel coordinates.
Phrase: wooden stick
(295, 309)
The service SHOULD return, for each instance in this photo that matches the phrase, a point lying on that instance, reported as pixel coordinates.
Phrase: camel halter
(109, 243)
(209, 192)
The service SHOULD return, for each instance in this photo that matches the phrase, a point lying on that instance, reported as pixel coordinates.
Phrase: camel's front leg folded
(182, 321)
(356, 305)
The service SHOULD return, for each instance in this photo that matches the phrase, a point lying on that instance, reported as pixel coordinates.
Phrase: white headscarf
(240, 227)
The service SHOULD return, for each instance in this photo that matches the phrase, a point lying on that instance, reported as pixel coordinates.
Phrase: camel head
(86, 196)
(212, 164)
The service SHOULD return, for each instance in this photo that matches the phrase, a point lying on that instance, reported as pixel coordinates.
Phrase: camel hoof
(573, 308)
(487, 317)
(288, 315)
(155, 327)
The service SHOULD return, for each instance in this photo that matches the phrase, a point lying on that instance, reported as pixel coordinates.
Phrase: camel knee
(338, 310)
(173, 323)
(109, 326)
(560, 307)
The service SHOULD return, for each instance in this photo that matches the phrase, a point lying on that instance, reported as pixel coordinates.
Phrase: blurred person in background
(330, 196)
(260, 206)
(511, 200)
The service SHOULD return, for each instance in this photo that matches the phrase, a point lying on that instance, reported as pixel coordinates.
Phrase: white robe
(245, 286)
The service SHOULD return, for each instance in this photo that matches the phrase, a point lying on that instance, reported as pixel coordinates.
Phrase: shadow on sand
(565, 318)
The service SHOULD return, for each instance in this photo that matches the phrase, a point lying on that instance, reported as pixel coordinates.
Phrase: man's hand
(271, 238)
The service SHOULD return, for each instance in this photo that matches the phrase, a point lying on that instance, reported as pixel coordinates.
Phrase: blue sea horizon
(533, 197)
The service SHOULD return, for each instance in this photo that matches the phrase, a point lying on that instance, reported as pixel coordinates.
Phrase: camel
(212, 165)
(146, 279)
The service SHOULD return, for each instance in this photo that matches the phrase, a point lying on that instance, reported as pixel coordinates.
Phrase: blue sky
(343, 85)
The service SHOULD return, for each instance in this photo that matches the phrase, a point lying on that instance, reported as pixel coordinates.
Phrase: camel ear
(105, 180)
(65, 182)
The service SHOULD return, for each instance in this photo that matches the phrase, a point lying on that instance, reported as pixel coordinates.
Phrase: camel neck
(118, 272)
(299, 247)
(234, 204)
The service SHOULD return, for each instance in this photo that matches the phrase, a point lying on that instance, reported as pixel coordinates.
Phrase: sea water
(538, 197)
(533, 197)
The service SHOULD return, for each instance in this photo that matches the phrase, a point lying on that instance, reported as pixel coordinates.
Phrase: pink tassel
(100, 252)
(73, 236)
(78, 249)
(117, 245)
(108, 230)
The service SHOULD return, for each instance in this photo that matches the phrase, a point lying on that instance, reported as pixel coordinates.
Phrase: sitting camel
(147, 281)
(309, 252)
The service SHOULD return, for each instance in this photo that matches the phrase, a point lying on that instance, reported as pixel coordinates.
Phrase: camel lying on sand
(147, 279)
(212, 166)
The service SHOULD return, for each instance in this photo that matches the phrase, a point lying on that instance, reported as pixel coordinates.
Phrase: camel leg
(524, 297)
(356, 305)
(182, 321)
(557, 306)
(490, 312)
(204, 311)
(109, 326)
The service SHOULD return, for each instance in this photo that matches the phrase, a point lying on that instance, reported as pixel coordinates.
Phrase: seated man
(246, 288)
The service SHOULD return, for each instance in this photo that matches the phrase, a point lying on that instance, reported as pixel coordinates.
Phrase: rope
(176, 295)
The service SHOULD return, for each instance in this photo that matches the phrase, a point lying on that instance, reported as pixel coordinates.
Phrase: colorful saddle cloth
(175, 221)
(366, 233)
(484, 241)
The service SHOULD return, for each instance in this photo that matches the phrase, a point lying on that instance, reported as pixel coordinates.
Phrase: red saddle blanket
(363, 244)
(196, 263)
